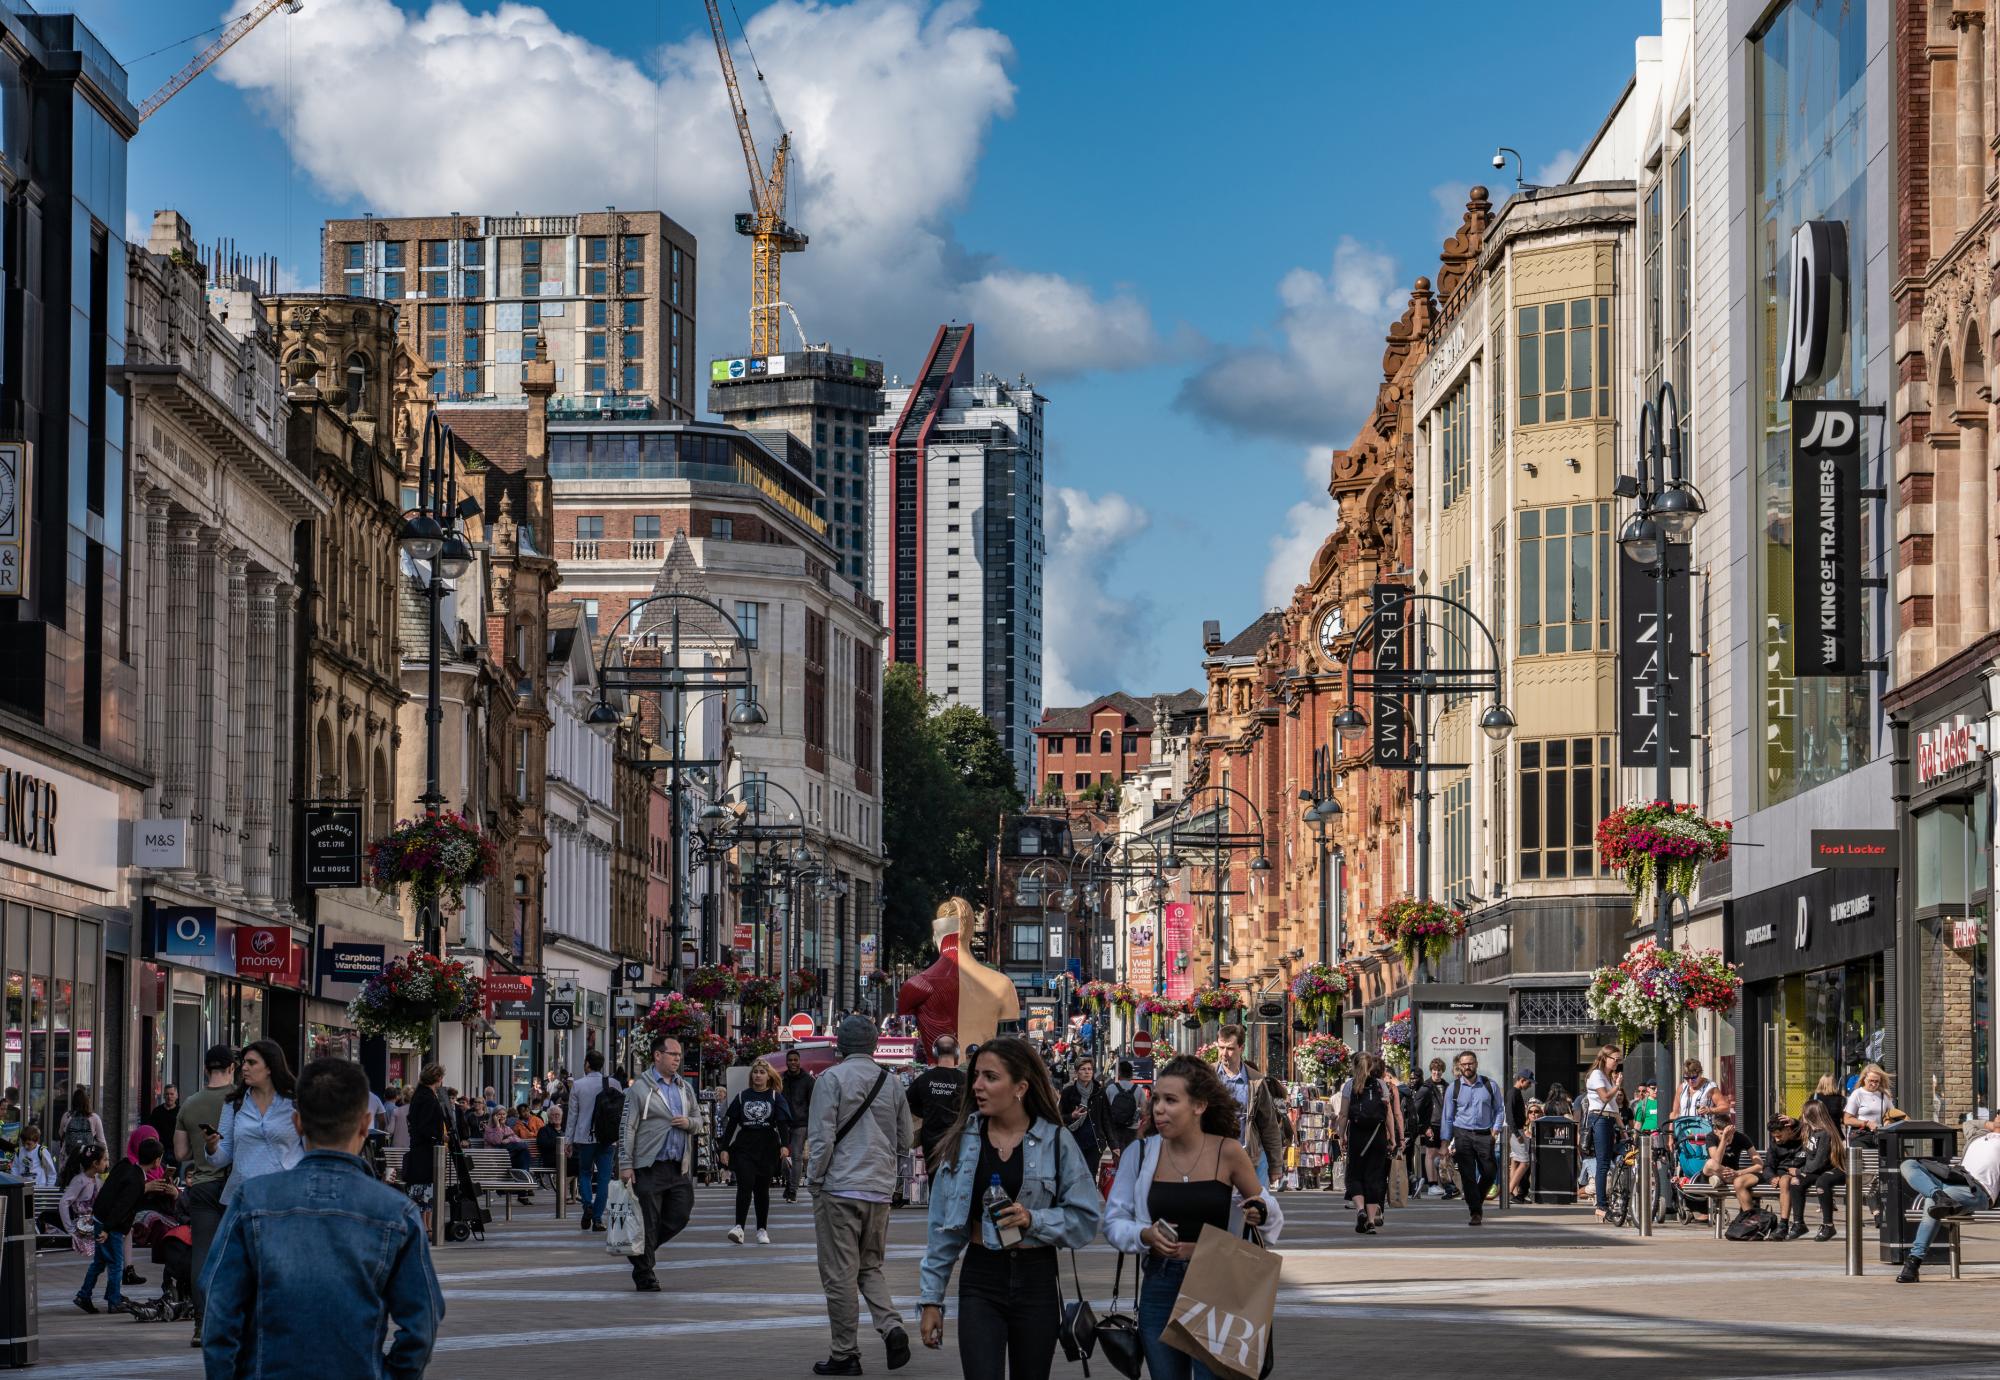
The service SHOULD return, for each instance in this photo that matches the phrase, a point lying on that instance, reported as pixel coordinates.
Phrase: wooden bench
(493, 1172)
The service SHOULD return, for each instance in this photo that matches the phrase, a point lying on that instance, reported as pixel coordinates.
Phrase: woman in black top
(1371, 1127)
(756, 1137)
(1821, 1163)
(430, 1127)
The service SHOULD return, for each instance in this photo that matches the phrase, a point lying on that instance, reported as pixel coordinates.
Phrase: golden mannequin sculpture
(957, 995)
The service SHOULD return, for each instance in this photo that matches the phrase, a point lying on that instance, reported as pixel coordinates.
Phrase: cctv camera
(1499, 160)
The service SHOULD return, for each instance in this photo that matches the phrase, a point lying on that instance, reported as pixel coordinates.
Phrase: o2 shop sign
(1949, 748)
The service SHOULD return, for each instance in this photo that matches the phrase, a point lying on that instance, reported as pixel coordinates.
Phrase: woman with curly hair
(1189, 1175)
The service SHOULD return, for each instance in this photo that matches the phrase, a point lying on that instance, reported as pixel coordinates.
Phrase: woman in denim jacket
(1009, 1295)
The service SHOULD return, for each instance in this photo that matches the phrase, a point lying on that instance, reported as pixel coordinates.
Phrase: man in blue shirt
(313, 1264)
(1474, 1119)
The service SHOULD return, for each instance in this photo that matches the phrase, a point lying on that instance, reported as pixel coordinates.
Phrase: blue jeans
(1971, 1198)
(109, 1260)
(1159, 1285)
(594, 1164)
(1603, 1142)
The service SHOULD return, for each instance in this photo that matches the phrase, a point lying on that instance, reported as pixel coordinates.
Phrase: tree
(945, 783)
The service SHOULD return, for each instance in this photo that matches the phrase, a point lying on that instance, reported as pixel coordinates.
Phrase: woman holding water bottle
(1012, 1189)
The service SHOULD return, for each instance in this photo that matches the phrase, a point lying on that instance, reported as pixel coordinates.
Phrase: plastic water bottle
(996, 1198)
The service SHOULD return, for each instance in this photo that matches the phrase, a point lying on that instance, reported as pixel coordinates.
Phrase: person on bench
(1972, 1186)
(1783, 1162)
(1821, 1165)
(1733, 1161)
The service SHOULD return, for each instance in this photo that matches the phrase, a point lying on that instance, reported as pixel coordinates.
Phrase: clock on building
(1331, 628)
(13, 520)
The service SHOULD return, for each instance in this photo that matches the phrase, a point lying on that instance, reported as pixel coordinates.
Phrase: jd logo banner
(1826, 539)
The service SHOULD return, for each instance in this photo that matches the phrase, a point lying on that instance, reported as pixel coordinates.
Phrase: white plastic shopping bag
(624, 1228)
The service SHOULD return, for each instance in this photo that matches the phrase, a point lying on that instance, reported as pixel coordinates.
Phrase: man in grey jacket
(656, 1146)
(858, 1126)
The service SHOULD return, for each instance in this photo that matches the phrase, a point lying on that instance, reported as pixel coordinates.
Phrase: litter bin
(1552, 1159)
(1907, 1140)
(20, 1328)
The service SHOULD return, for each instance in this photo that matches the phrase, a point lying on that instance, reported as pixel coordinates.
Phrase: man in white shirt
(1973, 1187)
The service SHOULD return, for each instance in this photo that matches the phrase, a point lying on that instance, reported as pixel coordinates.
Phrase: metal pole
(1663, 788)
(1325, 899)
(428, 917)
(677, 894)
(1423, 972)
(1853, 1213)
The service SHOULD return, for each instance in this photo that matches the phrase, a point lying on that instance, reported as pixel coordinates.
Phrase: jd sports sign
(1826, 539)
(1816, 331)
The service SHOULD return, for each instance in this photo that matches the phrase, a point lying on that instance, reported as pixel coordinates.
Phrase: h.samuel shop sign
(1949, 748)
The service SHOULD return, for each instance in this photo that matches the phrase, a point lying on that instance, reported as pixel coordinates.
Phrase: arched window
(381, 803)
(355, 382)
(1104, 740)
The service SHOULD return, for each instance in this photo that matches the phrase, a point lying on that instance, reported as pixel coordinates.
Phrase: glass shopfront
(1811, 163)
(51, 962)
(1814, 958)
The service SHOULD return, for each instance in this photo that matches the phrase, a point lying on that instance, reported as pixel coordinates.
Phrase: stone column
(1973, 510)
(156, 671)
(234, 794)
(211, 713)
(287, 733)
(1970, 184)
(183, 737)
(260, 692)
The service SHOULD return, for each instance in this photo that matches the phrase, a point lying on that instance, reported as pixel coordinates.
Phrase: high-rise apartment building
(958, 553)
(827, 402)
(610, 295)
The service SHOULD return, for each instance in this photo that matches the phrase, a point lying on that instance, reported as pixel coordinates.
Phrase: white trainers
(736, 1235)
(763, 1237)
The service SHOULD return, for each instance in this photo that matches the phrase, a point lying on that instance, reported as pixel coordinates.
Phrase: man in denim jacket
(312, 1265)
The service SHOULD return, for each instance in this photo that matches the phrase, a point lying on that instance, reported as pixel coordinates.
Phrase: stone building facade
(218, 504)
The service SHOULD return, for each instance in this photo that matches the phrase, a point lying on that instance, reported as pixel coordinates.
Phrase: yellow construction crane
(239, 26)
(765, 224)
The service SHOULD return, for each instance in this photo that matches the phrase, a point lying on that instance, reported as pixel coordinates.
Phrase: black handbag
(1118, 1333)
(1078, 1333)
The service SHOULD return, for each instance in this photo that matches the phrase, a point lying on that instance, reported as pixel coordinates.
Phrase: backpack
(607, 1113)
(76, 1134)
(1753, 1225)
(1125, 1107)
(1370, 1107)
(1450, 1100)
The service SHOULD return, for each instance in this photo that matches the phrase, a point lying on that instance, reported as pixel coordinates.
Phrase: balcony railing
(646, 550)
(583, 550)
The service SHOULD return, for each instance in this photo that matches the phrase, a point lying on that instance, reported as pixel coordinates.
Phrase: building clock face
(10, 493)
(1331, 629)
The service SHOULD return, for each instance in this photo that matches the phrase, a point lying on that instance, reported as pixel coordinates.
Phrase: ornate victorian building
(218, 504)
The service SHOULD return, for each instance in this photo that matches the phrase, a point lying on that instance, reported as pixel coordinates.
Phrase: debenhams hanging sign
(52, 822)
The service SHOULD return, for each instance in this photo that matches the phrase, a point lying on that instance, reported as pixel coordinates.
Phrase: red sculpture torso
(932, 996)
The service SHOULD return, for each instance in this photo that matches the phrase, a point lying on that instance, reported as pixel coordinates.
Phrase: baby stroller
(1690, 1154)
(465, 1202)
(172, 1243)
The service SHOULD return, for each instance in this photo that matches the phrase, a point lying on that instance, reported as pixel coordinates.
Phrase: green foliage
(945, 783)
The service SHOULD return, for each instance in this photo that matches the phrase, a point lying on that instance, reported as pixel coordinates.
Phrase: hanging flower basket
(1419, 929)
(1154, 1013)
(1215, 1003)
(1211, 1052)
(1651, 987)
(1396, 1045)
(1094, 995)
(711, 984)
(803, 984)
(436, 856)
(1317, 992)
(1323, 1059)
(411, 993)
(677, 1017)
(750, 1048)
(758, 994)
(1660, 840)
(1124, 1000)
(716, 1054)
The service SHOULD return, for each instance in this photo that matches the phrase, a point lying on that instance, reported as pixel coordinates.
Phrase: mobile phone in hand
(1164, 1231)
(207, 1129)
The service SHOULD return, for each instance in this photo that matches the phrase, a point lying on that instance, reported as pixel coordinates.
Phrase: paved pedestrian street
(1534, 1291)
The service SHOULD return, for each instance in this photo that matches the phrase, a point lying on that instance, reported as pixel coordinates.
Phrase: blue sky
(1190, 224)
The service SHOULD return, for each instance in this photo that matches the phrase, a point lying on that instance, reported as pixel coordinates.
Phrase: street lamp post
(1222, 841)
(430, 535)
(1424, 682)
(1666, 507)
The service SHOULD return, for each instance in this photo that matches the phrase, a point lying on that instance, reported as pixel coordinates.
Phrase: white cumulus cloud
(1306, 526)
(1314, 376)
(889, 103)
(1093, 640)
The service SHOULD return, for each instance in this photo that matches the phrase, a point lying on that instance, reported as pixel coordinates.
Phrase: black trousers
(205, 1210)
(666, 1201)
(1009, 1310)
(1477, 1167)
(1821, 1183)
(753, 1185)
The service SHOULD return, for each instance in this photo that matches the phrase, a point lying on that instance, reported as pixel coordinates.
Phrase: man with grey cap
(857, 1128)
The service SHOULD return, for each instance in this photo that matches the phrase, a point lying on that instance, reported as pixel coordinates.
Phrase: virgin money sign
(265, 952)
